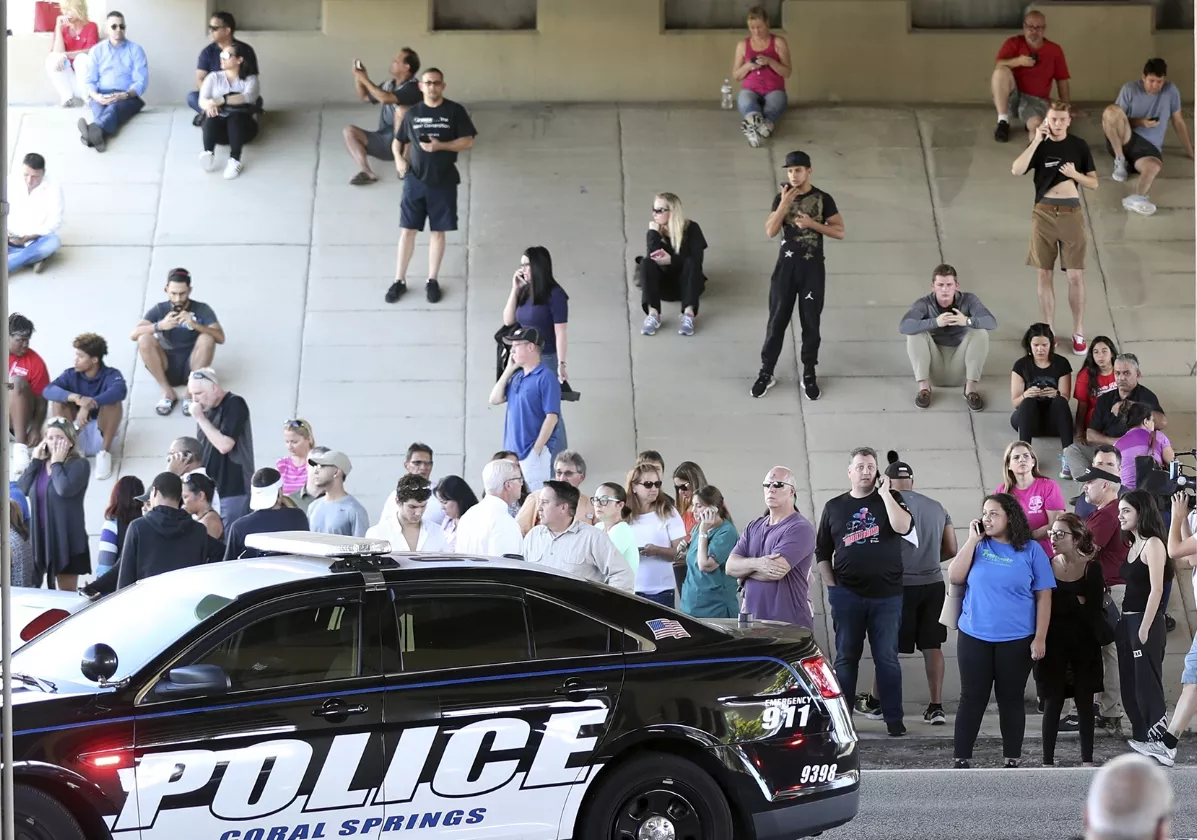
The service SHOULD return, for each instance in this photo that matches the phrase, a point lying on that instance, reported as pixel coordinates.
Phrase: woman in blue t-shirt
(708, 590)
(1003, 622)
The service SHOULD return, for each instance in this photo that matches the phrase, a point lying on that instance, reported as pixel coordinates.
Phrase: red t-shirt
(87, 38)
(1080, 391)
(1107, 536)
(32, 367)
(1037, 80)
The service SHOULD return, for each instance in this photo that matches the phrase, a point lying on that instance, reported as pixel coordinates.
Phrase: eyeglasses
(602, 501)
(681, 488)
(651, 485)
(566, 473)
(1058, 535)
(217, 27)
(20, 336)
(660, 209)
(775, 485)
(116, 26)
(199, 374)
(420, 463)
(433, 84)
(518, 478)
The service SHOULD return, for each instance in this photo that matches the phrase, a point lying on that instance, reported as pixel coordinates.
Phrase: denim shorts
(1189, 675)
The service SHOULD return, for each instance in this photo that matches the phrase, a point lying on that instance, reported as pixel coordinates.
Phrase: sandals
(187, 406)
(361, 179)
(165, 406)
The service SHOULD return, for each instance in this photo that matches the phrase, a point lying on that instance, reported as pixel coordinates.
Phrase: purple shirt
(788, 599)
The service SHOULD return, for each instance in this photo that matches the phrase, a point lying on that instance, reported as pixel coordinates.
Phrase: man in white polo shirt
(488, 527)
(572, 547)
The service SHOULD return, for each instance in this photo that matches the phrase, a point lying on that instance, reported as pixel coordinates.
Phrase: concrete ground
(295, 262)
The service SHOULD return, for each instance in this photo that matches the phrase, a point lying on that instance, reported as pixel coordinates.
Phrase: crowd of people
(1077, 598)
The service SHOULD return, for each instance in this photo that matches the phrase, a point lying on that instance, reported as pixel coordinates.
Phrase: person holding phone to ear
(55, 483)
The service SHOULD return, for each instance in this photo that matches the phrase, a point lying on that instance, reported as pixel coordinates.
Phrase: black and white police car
(337, 690)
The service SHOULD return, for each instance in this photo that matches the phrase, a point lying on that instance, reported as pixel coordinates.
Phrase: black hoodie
(163, 540)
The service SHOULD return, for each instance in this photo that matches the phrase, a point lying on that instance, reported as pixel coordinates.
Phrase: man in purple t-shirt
(773, 556)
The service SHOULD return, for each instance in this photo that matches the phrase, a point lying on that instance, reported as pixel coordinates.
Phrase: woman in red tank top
(67, 62)
(761, 65)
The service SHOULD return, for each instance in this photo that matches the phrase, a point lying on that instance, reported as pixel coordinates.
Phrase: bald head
(779, 490)
(1130, 799)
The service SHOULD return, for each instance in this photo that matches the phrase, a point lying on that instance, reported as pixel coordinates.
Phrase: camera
(1179, 478)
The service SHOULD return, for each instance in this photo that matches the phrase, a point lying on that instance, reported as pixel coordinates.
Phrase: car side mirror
(192, 681)
(99, 663)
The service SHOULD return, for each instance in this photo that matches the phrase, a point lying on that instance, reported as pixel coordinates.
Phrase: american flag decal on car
(667, 628)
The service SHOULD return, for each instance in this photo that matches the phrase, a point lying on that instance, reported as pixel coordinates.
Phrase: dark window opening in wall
(1008, 14)
(717, 14)
(1174, 14)
(485, 15)
(275, 15)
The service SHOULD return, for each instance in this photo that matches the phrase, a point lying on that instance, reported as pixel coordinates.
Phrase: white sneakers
(755, 127)
(19, 460)
(651, 325)
(232, 169)
(1119, 169)
(208, 163)
(1140, 204)
(103, 465)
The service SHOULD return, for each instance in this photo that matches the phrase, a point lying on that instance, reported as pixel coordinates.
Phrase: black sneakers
(763, 383)
(433, 291)
(396, 291)
(810, 385)
(1002, 132)
(1069, 723)
(896, 728)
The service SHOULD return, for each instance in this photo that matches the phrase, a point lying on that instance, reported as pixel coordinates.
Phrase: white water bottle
(726, 101)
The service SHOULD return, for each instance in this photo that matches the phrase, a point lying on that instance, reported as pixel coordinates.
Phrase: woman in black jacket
(673, 268)
(55, 482)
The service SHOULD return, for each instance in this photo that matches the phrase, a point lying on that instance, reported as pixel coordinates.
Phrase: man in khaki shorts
(1060, 163)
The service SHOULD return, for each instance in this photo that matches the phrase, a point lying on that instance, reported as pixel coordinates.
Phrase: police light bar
(310, 544)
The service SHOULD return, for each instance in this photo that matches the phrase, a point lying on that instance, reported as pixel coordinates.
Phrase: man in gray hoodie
(947, 338)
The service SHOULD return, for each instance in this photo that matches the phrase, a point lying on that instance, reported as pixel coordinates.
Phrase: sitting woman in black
(1040, 383)
(673, 268)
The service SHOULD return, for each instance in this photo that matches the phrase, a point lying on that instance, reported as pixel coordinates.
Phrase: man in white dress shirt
(579, 550)
(418, 462)
(34, 216)
(407, 529)
(488, 527)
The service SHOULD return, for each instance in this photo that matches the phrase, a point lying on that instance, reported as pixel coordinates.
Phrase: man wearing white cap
(268, 514)
(335, 512)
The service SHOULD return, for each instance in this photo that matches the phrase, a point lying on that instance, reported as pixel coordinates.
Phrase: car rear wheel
(658, 797)
(42, 817)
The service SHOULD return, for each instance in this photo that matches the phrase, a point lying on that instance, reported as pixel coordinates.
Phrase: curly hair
(1081, 535)
(92, 344)
(414, 488)
(1018, 530)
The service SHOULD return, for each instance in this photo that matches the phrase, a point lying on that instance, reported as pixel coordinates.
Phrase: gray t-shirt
(1139, 105)
(344, 516)
(921, 565)
(180, 339)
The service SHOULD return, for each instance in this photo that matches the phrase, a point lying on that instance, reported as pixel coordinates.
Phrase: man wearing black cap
(803, 214)
(533, 398)
(166, 538)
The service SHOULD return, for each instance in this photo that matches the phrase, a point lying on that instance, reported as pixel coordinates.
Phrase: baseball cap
(896, 468)
(178, 275)
(1097, 474)
(797, 159)
(528, 334)
(264, 489)
(332, 458)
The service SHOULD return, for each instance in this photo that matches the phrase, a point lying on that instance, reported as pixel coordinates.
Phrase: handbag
(1110, 616)
(953, 603)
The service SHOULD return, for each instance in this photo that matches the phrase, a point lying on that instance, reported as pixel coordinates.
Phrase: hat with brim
(264, 498)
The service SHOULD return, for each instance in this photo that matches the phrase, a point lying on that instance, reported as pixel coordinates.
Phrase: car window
(559, 632)
(461, 632)
(307, 645)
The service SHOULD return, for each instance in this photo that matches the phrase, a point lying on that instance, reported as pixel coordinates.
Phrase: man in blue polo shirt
(533, 397)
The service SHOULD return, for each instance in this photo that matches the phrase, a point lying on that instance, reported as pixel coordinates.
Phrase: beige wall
(615, 50)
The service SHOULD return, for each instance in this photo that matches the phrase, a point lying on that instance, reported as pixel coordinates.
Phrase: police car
(335, 689)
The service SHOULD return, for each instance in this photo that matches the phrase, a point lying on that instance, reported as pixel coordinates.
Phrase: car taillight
(43, 623)
(821, 675)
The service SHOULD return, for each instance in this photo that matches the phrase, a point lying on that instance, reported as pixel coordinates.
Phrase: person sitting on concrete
(533, 398)
(761, 65)
(1094, 377)
(395, 95)
(672, 266)
(175, 337)
(1109, 420)
(1027, 64)
(166, 537)
(67, 62)
(407, 529)
(1040, 382)
(186, 457)
(34, 216)
(227, 98)
(1135, 126)
(1142, 438)
(947, 338)
(335, 512)
(223, 28)
(270, 512)
(226, 436)
(117, 77)
(90, 394)
(29, 377)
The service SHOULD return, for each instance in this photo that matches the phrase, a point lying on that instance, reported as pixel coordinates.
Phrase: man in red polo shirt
(29, 377)
(1027, 64)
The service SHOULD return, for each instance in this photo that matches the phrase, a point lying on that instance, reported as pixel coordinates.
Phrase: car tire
(657, 787)
(40, 816)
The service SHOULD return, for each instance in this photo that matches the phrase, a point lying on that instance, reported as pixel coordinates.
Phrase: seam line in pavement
(465, 315)
(627, 299)
(307, 273)
(1101, 273)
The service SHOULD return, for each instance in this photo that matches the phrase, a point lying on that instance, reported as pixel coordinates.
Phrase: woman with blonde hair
(68, 61)
(761, 65)
(673, 268)
(299, 440)
(55, 483)
(1038, 496)
(658, 529)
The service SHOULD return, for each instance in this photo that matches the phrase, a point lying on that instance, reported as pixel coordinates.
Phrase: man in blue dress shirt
(116, 81)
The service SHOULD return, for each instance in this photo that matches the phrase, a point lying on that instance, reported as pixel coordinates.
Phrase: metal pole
(8, 827)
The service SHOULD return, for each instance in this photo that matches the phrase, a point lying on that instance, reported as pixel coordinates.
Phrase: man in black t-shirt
(436, 129)
(1108, 422)
(226, 438)
(803, 214)
(858, 550)
(395, 95)
(223, 28)
(1060, 162)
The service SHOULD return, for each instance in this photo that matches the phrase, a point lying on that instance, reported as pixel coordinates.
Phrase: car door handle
(578, 687)
(335, 708)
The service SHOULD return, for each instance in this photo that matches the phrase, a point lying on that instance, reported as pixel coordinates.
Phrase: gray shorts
(1023, 106)
(1189, 675)
(378, 145)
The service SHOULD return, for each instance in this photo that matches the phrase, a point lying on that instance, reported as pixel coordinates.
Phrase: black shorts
(921, 607)
(437, 205)
(1138, 148)
(378, 145)
(178, 366)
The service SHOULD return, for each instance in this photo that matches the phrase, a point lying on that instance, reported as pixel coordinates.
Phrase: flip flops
(165, 406)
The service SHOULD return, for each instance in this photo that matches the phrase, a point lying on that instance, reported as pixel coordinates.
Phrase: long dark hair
(1018, 531)
(455, 489)
(617, 492)
(1150, 524)
(1091, 366)
(123, 506)
(16, 519)
(1136, 414)
(540, 265)
(710, 496)
(1035, 331)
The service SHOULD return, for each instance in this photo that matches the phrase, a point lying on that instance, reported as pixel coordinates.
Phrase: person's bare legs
(1116, 128)
(66, 410)
(407, 246)
(355, 142)
(109, 421)
(154, 357)
(436, 253)
(68, 583)
(1148, 168)
(1186, 707)
(203, 352)
(1047, 296)
(1076, 299)
(20, 409)
(933, 661)
(1002, 85)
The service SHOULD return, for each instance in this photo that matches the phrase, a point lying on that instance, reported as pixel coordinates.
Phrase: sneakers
(1002, 133)
(19, 459)
(975, 403)
(1079, 347)
(1156, 750)
(1139, 204)
(1113, 725)
(1065, 470)
(896, 728)
(870, 707)
(810, 385)
(1069, 723)
(752, 129)
(765, 128)
(396, 291)
(934, 715)
(207, 161)
(432, 290)
(922, 399)
(103, 465)
(651, 324)
(232, 169)
(687, 327)
(763, 383)
(1119, 169)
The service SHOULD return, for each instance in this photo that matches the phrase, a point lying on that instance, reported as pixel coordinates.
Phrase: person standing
(395, 95)
(55, 482)
(803, 214)
(226, 437)
(659, 531)
(91, 395)
(408, 530)
(533, 397)
(569, 467)
(269, 512)
(671, 268)
(772, 559)
(34, 216)
(761, 65)
(29, 377)
(336, 512)
(123, 508)
(222, 27)
(436, 130)
(454, 496)
(1061, 163)
(186, 456)
(1021, 84)
(166, 538)
(708, 591)
(860, 559)
(117, 78)
(488, 528)
(613, 516)
(67, 62)
(561, 542)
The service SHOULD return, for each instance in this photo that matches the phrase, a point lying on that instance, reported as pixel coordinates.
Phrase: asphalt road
(997, 804)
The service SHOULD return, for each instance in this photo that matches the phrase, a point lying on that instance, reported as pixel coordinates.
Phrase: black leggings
(1141, 675)
(1052, 706)
(1000, 667)
(1040, 417)
(236, 129)
(674, 281)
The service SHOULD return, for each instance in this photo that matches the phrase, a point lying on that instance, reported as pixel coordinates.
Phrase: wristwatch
(969, 322)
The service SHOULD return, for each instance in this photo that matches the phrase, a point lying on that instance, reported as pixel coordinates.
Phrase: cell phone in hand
(978, 529)
(357, 65)
(424, 138)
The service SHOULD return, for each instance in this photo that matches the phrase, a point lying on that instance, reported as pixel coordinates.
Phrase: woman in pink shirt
(1038, 496)
(67, 62)
(299, 440)
(1141, 438)
(761, 66)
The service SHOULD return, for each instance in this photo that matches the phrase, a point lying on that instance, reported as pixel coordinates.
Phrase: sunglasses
(117, 26)
(601, 501)
(199, 374)
(660, 209)
(225, 55)
(682, 488)
(775, 485)
(420, 496)
(651, 485)
(296, 424)
(58, 421)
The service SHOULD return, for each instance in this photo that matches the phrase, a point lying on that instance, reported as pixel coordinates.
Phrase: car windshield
(141, 621)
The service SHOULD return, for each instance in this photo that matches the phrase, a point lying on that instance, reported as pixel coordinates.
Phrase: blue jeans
(665, 599)
(854, 616)
(773, 103)
(549, 360)
(36, 251)
(112, 117)
(193, 102)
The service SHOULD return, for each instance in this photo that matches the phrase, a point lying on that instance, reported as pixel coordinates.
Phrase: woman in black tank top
(1141, 634)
